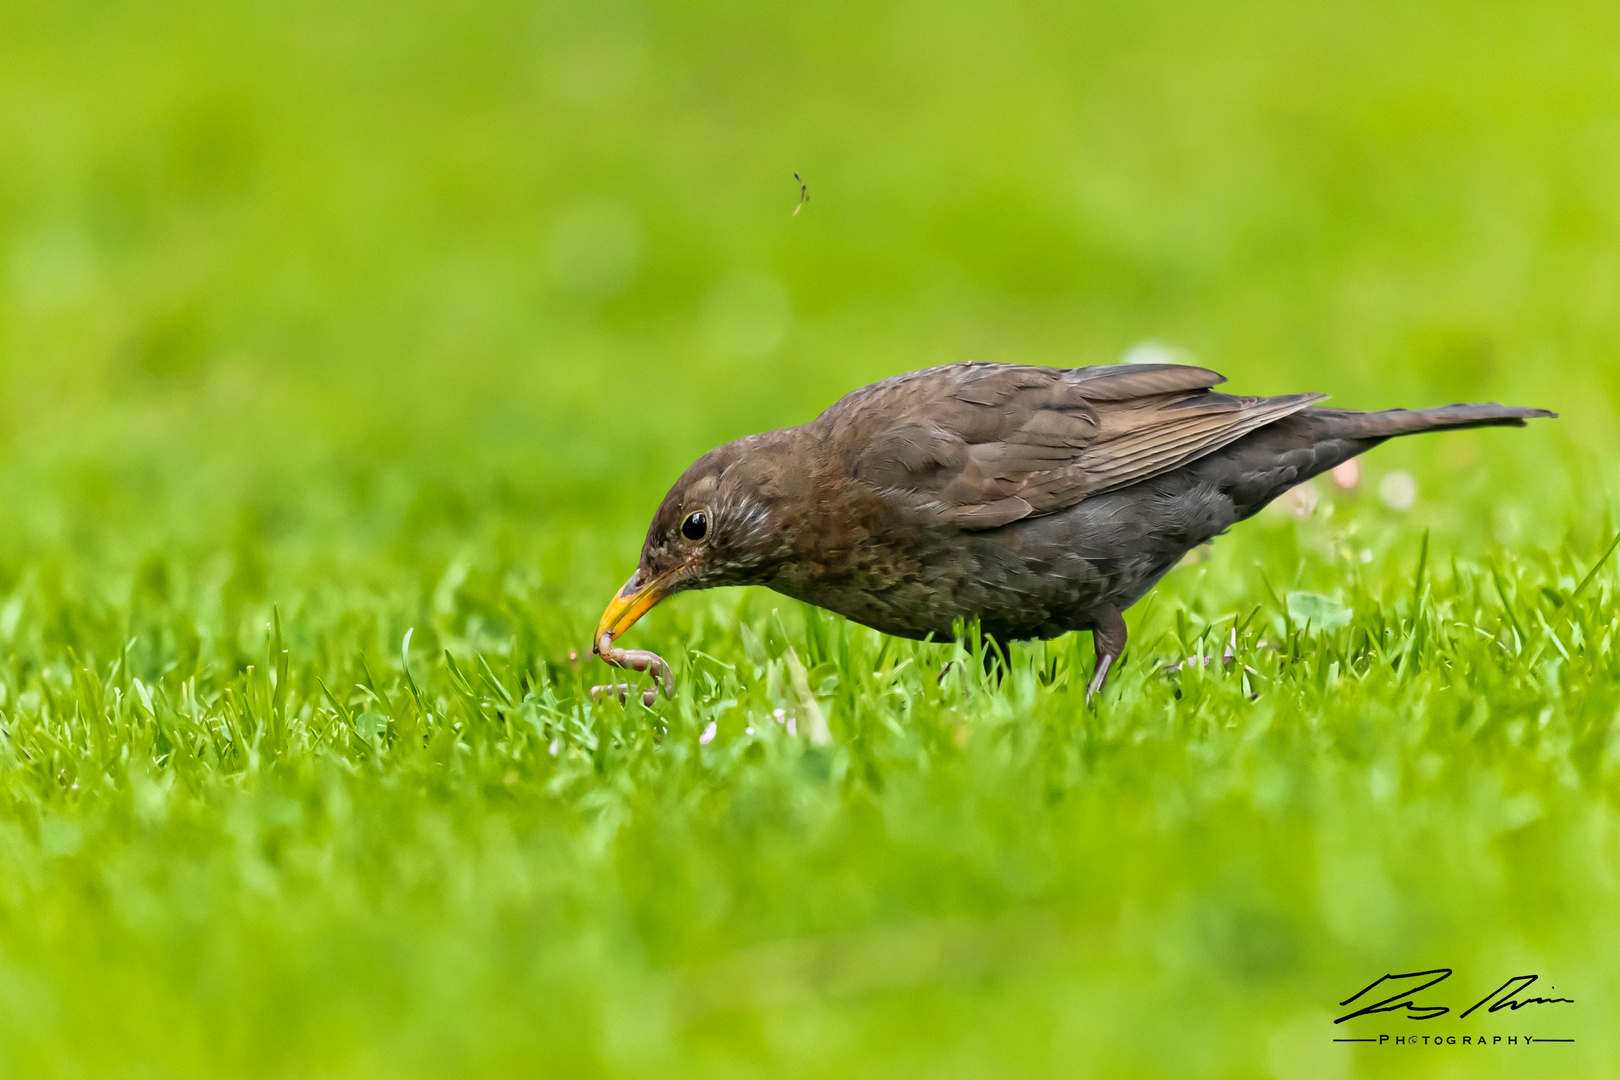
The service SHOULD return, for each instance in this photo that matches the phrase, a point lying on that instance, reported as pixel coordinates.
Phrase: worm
(635, 660)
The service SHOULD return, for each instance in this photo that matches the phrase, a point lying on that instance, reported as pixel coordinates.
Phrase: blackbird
(1035, 500)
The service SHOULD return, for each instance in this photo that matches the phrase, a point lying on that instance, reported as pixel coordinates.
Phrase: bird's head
(723, 523)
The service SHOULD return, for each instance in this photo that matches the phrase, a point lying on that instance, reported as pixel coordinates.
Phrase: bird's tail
(1388, 423)
(1266, 463)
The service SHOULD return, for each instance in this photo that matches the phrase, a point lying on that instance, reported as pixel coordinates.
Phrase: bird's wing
(987, 444)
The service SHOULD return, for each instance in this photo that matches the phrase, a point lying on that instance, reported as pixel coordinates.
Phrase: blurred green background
(347, 320)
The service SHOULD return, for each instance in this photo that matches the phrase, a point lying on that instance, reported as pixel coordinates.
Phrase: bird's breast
(911, 576)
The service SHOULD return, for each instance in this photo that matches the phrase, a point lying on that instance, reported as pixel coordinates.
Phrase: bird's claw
(1225, 658)
(634, 660)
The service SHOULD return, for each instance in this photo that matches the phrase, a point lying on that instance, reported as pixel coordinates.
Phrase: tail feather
(1265, 463)
(1388, 423)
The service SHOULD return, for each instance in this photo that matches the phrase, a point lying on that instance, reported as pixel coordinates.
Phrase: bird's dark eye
(696, 525)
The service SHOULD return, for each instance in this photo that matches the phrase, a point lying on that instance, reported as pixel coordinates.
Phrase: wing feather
(984, 445)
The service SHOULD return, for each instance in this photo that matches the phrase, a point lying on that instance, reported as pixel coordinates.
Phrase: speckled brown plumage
(1036, 500)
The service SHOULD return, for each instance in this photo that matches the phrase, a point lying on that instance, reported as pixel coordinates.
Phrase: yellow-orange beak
(632, 602)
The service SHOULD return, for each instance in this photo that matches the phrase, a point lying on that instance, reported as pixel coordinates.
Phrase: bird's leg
(1108, 638)
(634, 660)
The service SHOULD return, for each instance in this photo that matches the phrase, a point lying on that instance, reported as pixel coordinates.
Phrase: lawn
(345, 352)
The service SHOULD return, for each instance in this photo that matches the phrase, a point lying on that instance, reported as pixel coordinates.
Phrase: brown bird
(1035, 500)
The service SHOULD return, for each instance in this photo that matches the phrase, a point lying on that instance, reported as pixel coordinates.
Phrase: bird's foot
(1225, 658)
(1228, 657)
(634, 660)
(1103, 666)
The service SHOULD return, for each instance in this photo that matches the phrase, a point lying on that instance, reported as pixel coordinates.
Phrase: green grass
(320, 329)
